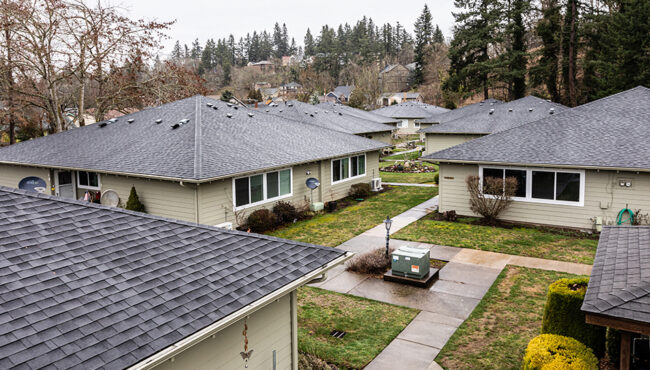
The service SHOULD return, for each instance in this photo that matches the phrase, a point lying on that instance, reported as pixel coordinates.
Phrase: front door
(64, 181)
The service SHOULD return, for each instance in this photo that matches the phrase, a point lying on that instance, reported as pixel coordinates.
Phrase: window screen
(345, 168)
(257, 188)
(272, 187)
(520, 175)
(543, 185)
(336, 170)
(568, 187)
(285, 182)
(241, 192)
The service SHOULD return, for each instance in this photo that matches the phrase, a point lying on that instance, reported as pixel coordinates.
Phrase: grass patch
(522, 241)
(332, 229)
(496, 333)
(370, 326)
(407, 178)
(410, 156)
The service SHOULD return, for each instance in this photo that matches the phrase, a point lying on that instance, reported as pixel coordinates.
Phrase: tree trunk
(10, 83)
(82, 85)
(572, 51)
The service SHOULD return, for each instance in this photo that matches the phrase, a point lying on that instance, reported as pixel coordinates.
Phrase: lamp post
(387, 222)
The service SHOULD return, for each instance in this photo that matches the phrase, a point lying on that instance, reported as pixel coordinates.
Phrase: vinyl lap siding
(438, 142)
(603, 198)
(269, 329)
(384, 137)
(341, 190)
(11, 175)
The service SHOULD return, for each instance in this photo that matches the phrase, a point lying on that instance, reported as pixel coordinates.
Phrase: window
(416, 124)
(346, 168)
(260, 188)
(542, 186)
(403, 124)
(88, 180)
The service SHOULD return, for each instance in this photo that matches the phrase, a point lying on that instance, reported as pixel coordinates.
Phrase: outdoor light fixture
(387, 222)
(308, 172)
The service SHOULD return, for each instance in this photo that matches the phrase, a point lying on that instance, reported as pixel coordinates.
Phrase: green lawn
(531, 242)
(370, 326)
(409, 178)
(497, 332)
(411, 156)
(332, 229)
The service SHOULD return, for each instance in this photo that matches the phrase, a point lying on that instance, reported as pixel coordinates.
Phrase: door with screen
(65, 184)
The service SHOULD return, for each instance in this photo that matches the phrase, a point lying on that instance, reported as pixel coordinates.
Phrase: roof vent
(311, 115)
(481, 104)
(340, 114)
(551, 111)
(236, 107)
(509, 109)
(112, 120)
(491, 104)
(250, 114)
(492, 111)
(209, 104)
(530, 109)
(290, 105)
(176, 125)
(229, 115)
(130, 120)
(158, 121)
(215, 107)
(103, 124)
(229, 104)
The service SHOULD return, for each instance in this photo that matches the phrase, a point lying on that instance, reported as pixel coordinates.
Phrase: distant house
(484, 118)
(334, 119)
(87, 286)
(263, 66)
(269, 93)
(341, 94)
(291, 87)
(578, 168)
(411, 67)
(387, 99)
(407, 115)
(617, 295)
(261, 85)
(197, 159)
(394, 77)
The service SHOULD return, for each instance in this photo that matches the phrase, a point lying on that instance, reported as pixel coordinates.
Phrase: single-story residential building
(196, 159)
(387, 99)
(408, 113)
(618, 294)
(87, 286)
(577, 169)
(262, 66)
(341, 94)
(490, 119)
(334, 120)
(370, 116)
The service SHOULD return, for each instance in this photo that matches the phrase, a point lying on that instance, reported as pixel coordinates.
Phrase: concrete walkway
(409, 184)
(462, 283)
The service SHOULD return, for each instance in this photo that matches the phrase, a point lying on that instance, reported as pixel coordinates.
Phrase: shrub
(373, 262)
(500, 196)
(450, 216)
(133, 203)
(562, 314)
(360, 190)
(436, 178)
(285, 212)
(308, 361)
(261, 220)
(550, 352)
(613, 345)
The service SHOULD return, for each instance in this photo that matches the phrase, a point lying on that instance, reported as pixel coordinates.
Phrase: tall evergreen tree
(438, 36)
(570, 44)
(309, 43)
(177, 51)
(423, 38)
(549, 30)
(517, 54)
(196, 51)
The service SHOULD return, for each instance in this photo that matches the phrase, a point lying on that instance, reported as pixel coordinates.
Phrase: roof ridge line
(197, 138)
(154, 217)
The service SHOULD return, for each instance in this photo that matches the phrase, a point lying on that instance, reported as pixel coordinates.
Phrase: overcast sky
(218, 19)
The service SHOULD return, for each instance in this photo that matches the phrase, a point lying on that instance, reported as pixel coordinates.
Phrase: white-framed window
(416, 124)
(261, 188)
(344, 169)
(88, 180)
(542, 185)
(403, 124)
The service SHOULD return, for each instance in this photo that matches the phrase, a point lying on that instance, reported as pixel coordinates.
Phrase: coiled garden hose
(630, 218)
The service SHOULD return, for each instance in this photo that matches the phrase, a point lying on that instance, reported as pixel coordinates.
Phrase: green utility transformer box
(411, 262)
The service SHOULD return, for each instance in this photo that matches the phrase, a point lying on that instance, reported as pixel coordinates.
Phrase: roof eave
(187, 342)
(549, 165)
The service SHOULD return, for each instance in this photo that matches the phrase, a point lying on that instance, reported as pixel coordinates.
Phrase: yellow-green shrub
(551, 352)
(562, 314)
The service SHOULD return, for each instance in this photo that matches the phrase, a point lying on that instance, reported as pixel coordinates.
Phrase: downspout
(196, 204)
(294, 330)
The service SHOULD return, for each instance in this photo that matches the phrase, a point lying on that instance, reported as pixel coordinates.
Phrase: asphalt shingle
(411, 109)
(219, 140)
(117, 303)
(619, 286)
(457, 113)
(611, 132)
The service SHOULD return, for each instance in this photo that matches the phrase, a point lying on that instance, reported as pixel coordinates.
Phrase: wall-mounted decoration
(33, 183)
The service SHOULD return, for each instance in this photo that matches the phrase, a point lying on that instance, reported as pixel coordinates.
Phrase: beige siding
(269, 329)
(603, 198)
(411, 129)
(340, 190)
(161, 198)
(437, 142)
(11, 175)
(384, 137)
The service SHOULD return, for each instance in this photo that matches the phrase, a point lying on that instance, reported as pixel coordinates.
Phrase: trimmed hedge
(549, 352)
(562, 314)
(261, 220)
(285, 212)
(134, 203)
(436, 178)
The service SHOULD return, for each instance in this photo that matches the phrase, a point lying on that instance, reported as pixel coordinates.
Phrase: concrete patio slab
(437, 318)
(403, 354)
(469, 274)
(461, 289)
(343, 282)
(478, 257)
(441, 252)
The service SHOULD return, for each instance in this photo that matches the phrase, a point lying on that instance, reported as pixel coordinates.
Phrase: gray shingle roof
(619, 286)
(343, 90)
(611, 132)
(499, 117)
(410, 110)
(388, 68)
(370, 116)
(457, 113)
(86, 286)
(210, 145)
(338, 121)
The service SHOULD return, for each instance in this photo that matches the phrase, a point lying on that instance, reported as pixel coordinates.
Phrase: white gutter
(547, 165)
(196, 338)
